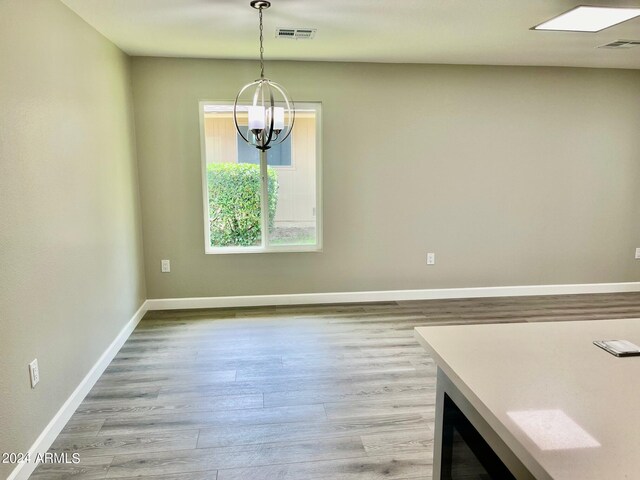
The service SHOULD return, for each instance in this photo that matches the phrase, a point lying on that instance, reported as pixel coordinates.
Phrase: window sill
(272, 249)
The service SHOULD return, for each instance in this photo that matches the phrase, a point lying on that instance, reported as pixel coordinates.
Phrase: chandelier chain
(261, 46)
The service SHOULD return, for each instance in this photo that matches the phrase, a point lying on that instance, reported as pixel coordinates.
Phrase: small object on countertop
(619, 348)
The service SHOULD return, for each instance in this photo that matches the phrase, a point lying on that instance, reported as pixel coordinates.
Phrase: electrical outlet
(34, 373)
(637, 253)
(165, 266)
(431, 258)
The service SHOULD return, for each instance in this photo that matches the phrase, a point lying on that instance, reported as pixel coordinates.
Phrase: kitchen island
(535, 401)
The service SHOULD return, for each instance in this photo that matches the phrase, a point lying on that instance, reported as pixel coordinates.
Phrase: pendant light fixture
(264, 105)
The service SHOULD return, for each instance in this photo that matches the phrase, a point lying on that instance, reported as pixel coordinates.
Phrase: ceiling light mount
(260, 4)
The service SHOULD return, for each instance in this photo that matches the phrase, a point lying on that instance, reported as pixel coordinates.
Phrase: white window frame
(264, 248)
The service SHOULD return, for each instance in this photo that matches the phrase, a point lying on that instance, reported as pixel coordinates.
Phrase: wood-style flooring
(331, 392)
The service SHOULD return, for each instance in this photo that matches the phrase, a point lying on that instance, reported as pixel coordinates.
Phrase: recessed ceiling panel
(589, 19)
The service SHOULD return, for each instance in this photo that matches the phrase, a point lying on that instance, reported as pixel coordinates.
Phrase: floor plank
(222, 436)
(122, 408)
(207, 475)
(404, 441)
(125, 444)
(146, 423)
(397, 467)
(89, 468)
(347, 395)
(257, 455)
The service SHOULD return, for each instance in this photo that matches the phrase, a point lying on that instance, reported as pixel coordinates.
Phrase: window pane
(234, 189)
(294, 193)
(279, 155)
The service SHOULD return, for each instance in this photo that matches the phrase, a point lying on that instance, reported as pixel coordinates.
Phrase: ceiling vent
(621, 44)
(296, 33)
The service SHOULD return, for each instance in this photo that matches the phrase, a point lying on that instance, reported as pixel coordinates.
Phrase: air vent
(621, 44)
(296, 33)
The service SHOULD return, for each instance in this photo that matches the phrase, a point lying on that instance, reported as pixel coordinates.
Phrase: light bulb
(256, 117)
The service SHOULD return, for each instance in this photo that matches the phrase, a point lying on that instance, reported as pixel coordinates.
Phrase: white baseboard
(55, 426)
(387, 295)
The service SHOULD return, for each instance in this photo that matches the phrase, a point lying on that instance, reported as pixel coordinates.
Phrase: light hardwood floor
(332, 392)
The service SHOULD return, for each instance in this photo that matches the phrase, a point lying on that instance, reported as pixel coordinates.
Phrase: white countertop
(579, 404)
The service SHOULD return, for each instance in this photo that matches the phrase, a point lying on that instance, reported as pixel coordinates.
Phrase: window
(232, 185)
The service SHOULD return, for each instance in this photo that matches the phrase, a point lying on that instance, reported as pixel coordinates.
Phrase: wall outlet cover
(34, 373)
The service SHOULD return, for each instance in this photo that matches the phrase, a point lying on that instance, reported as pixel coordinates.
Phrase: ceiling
(490, 32)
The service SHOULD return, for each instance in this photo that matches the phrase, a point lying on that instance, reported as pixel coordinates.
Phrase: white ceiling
(491, 32)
